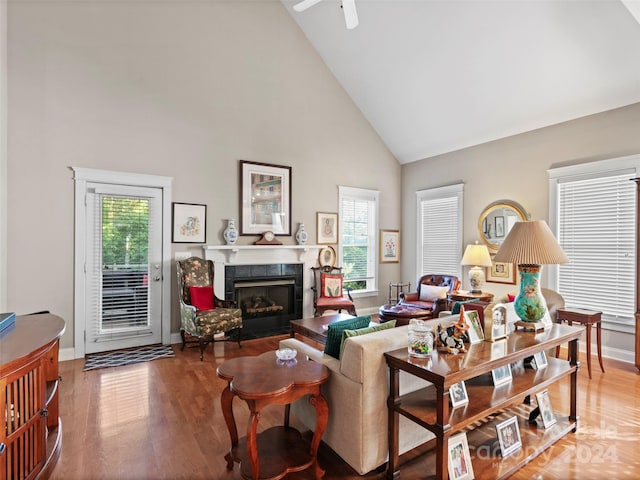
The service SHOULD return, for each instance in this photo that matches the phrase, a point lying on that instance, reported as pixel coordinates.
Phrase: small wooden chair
(328, 291)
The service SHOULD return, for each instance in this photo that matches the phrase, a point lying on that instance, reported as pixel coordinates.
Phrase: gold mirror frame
(489, 222)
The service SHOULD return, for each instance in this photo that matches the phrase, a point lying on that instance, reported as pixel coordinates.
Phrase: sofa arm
(311, 352)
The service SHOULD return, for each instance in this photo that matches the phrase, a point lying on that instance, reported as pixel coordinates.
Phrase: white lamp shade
(476, 255)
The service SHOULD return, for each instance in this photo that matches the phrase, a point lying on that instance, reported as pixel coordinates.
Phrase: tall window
(439, 230)
(358, 227)
(593, 215)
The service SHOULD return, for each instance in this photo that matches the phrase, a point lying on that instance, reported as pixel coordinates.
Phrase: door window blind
(596, 229)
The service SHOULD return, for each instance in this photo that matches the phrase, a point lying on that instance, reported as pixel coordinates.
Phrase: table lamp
(478, 256)
(530, 244)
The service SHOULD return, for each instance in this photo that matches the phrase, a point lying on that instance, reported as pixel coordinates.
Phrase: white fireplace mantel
(223, 255)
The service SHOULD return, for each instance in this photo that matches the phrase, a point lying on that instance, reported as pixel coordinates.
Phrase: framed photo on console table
(460, 467)
(509, 436)
(458, 394)
(265, 198)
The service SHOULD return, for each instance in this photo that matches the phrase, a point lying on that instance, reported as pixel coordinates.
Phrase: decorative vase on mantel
(301, 235)
(230, 233)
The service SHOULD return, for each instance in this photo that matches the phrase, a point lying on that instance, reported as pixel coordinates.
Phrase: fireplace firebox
(269, 296)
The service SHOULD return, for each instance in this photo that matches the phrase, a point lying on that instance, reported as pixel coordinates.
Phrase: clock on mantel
(268, 238)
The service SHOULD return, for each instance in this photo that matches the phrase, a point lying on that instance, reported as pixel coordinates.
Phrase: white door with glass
(123, 267)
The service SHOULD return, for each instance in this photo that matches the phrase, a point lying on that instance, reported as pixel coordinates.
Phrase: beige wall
(180, 89)
(516, 168)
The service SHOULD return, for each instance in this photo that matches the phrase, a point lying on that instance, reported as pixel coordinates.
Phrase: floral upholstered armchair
(202, 313)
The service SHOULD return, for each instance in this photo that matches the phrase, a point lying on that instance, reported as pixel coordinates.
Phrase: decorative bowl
(286, 354)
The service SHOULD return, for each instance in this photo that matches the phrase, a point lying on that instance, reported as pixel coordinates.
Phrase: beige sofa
(357, 396)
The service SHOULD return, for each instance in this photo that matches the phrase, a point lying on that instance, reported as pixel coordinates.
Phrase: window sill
(364, 293)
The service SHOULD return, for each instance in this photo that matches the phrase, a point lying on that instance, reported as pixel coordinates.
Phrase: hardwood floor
(162, 420)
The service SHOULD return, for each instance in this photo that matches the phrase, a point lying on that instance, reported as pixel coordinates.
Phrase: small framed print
(460, 467)
(500, 272)
(389, 246)
(546, 412)
(509, 436)
(327, 228)
(458, 394)
(499, 219)
(495, 326)
(541, 360)
(501, 375)
(475, 332)
(189, 223)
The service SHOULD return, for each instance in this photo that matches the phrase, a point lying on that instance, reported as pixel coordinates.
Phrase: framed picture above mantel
(265, 198)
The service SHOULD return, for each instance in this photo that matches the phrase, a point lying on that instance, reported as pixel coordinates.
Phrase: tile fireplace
(271, 283)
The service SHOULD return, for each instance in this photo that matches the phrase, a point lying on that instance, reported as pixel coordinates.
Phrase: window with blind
(358, 227)
(440, 230)
(594, 219)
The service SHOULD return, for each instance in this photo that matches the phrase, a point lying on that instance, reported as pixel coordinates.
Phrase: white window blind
(440, 230)
(596, 229)
(358, 227)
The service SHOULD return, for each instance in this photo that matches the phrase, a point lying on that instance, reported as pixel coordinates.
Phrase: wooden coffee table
(316, 328)
(264, 380)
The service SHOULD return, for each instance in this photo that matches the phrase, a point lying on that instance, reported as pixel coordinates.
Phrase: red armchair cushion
(331, 285)
(202, 297)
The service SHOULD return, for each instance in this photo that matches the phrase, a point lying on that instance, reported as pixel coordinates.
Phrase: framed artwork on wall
(189, 223)
(265, 198)
(500, 272)
(327, 228)
(389, 246)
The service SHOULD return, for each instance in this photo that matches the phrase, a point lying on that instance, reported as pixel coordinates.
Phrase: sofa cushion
(431, 293)
(335, 329)
(363, 331)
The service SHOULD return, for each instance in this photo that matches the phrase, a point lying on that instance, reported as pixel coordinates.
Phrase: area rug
(127, 356)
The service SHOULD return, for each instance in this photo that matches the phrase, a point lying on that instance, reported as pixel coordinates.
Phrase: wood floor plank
(162, 420)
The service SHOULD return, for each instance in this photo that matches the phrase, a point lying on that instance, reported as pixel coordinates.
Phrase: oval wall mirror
(496, 221)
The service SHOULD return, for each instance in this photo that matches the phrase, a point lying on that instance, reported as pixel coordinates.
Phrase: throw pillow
(331, 285)
(511, 297)
(202, 297)
(363, 331)
(335, 329)
(431, 293)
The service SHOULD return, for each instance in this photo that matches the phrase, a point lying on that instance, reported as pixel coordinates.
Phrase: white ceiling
(436, 76)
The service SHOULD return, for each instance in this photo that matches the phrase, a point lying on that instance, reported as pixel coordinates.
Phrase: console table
(31, 439)
(261, 381)
(488, 405)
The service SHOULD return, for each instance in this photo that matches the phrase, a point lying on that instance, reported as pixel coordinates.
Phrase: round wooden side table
(265, 380)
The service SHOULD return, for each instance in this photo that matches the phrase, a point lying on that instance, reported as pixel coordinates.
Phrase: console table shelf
(488, 404)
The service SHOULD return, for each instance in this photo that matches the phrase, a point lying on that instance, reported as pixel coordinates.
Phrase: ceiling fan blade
(350, 14)
(302, 6)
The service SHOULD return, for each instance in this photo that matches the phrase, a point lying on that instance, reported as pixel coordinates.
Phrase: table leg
(573, 361)
(589, 348)
(322, 416)
(252, 440)
(599, 340)
(226, 401)
(393, 467)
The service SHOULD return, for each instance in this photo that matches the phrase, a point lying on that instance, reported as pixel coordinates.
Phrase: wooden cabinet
(488, 405)
(31, 440)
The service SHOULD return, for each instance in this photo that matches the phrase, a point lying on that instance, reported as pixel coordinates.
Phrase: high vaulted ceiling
(435, 76)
